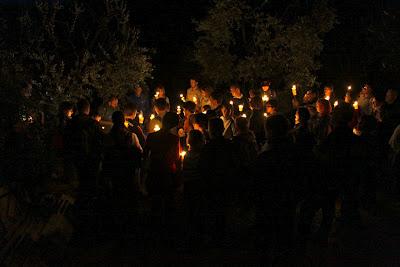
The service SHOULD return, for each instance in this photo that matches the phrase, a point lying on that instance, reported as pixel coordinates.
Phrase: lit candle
(265, 115)
(265, 98)
(102, 127)
(355, 105)
(157, 94)
(182, 154)
(241, 108)
(349, 88)
(182, 97)
(294, 90)
(195, 100)
(141, 118)
(336, 103)
(126, 123)
(231, 102)
(152, 117)
(156, 128)
(244, 116)
(178, 110)
(327, 97)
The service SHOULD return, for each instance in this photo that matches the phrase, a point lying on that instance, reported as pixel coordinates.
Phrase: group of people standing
(216, 154)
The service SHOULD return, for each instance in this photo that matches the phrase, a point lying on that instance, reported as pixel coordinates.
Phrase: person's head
(235, 91)
(265, 85)
(83, 107)
(193, 83)
(200, 122)
(226, 110)
(241, 125)
(367, 125)
(323, 107)
(215, 128)
(271, 107)
(160, 91)
(310, 96)
(302, 116)
(342, 115)
(206, 91)
(170, 121)
(256, 103)
(138, 90)
(195, 140)
(160, 106)
(328, 90)
(215, 100)
(113, 102)
(118, 119)
(391, 96)
(189, 108)
(367, 90)
(277, 127)
(67, 109)
(130, 111)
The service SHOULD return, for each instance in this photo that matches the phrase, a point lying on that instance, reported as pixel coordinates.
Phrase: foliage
(70, 50)
(245, 41)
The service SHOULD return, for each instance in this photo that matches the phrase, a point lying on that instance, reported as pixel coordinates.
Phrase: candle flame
(355, 105)
(265, 98)
(241, 108)
(336, 103)
(294, 90)
(157, 128)
(244, 116)
(152, 117)
(231, 102)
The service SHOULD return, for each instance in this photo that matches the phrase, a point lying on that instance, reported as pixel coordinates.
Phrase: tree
(251, 40)
(71, 50)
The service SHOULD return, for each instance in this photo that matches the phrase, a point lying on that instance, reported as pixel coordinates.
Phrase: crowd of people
(217, 156)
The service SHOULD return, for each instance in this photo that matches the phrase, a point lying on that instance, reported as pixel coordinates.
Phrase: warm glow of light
(126, 123)
(294, 90)
(195, 100)
(156, 128)
(182, 154)
(178, 110)
(265, 115)
(103, 127)
(265, 98)
(182, 98)
(349, 87)
(231, 102)
(141, 118)
(241, 108)
(244, 116)
(327, 97)
(355, 105)
(157, 95)
(152, 117)
(336, 103)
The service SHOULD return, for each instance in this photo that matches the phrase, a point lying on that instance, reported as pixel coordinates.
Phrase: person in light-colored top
(194, 93)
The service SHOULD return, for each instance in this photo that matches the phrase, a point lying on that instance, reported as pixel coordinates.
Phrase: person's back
(277, 178)
(162, 153)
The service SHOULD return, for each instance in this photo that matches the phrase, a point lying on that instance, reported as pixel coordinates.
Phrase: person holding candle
(161, 107)
(200, 123)
(365, 99)
(162, 164)
(194, 93)
(272, 107)
(267, 91)
(130, 112)
(160, 93)
(215, 103)
(205, 96)
(228, 120)
(329, 94)
(240, 103)
(189, 109)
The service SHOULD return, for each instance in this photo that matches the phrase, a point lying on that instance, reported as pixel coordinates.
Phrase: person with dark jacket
(217, 169)
(277, 176)
(84, 146)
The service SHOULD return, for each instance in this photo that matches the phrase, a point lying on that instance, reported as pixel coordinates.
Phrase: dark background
(168, 28)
